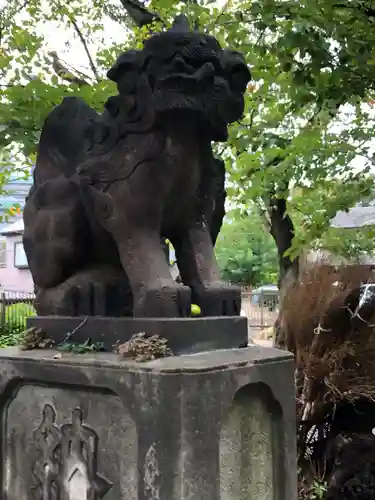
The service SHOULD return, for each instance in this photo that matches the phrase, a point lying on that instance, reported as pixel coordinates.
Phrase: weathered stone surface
(184, 335)
(109, 189)
(209, 426)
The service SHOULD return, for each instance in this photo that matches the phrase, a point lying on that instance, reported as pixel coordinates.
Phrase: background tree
(245, 251)
(309, 209)
(309, 121)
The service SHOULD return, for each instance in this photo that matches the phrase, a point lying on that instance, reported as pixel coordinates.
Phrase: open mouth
(203, 74)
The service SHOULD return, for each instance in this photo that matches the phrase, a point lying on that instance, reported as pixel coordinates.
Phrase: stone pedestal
(209, 426)
(184, 335)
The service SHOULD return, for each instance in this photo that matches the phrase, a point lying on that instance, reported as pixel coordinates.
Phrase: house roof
(14, 228)
(354, 218)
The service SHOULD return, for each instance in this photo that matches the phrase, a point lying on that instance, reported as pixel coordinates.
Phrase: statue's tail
(219, 200)
(64, 139)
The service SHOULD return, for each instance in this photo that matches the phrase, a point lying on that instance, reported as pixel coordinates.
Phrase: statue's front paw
(168, 301)
(218, 299)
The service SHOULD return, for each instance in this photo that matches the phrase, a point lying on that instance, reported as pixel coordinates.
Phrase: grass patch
(16, 314)
(10, 339)
(14, 322)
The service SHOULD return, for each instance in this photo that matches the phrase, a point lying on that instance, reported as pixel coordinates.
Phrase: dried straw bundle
(332, 335)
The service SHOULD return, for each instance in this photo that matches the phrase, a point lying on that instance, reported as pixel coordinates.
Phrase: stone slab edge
(201, 362)
(185, 335)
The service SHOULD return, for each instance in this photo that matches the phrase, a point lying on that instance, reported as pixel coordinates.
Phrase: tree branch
(368, 12)
(281, 228)
(226, 5)
(139, 14)
(11, 85)
(83, 41)
(265, 217)
(13, 14)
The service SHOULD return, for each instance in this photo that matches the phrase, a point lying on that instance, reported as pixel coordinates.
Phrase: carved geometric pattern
(66, 460)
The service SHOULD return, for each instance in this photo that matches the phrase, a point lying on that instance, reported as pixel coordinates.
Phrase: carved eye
(125, 67)
(106, 210)
(104, 206)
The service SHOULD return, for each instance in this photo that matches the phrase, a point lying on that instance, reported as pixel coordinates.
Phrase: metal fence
(260, 309)
(15, 307)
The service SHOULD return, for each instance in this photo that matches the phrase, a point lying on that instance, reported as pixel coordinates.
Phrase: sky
(67, 45)
(74, 54)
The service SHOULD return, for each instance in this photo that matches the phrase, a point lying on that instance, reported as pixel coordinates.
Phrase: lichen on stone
(35, 338)
(144, 348)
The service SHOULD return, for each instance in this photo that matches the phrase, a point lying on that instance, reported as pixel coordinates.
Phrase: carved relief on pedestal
(47, 439)
(152, 474)
(66, 460)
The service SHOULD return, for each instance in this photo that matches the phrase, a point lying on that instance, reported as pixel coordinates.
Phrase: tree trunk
(282, 230)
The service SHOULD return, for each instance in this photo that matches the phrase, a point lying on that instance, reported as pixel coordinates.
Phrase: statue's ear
(126, 70)
(97, 204)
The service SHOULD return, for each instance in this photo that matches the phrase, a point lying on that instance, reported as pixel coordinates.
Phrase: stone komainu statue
(107, 188)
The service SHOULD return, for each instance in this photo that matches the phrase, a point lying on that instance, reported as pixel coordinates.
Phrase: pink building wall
(11, 278)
